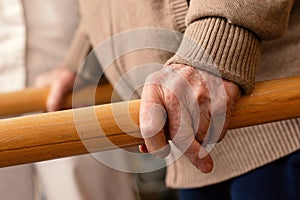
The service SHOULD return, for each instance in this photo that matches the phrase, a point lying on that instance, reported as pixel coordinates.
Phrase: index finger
(152, 121)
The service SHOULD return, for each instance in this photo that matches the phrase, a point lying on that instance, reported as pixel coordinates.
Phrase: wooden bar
(34, 99)
(271, 101)
(54, 135)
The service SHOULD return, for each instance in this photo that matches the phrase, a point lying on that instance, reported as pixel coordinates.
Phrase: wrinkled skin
(179, 96)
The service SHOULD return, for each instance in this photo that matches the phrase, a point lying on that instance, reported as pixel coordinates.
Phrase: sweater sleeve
(80, 45)
(78, 50)
(224, 37)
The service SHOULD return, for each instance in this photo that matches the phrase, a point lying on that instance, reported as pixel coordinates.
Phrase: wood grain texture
(271, 101)
(67, 133)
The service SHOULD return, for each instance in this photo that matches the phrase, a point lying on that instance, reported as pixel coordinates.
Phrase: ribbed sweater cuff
(214, 45)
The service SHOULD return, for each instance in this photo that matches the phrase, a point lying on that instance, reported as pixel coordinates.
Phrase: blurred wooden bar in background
(34, 99)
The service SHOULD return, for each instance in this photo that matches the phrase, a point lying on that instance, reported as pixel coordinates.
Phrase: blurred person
(231, 33)
(34, 36)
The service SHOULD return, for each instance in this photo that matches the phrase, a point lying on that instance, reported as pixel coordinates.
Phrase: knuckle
(154, 77)
(183, 141)
(192, 154)
(203, 98)
(171, 100)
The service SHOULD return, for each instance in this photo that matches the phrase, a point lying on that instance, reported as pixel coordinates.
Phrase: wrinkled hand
(191, 103)
(61, 81)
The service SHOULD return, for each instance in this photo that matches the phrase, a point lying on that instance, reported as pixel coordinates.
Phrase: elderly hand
(61, 81)
(190, 102)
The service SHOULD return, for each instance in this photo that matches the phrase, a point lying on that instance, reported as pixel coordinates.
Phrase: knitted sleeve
(224, 37)
(78, 50)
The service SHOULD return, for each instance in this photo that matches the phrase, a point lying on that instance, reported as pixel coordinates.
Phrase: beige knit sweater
(231, 32)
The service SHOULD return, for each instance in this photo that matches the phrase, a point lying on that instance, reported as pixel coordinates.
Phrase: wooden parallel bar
(34, 99)
(271, 101)
(54, 135)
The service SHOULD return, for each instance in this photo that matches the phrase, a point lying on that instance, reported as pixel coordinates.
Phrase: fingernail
(206, 167)
(143, 149)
